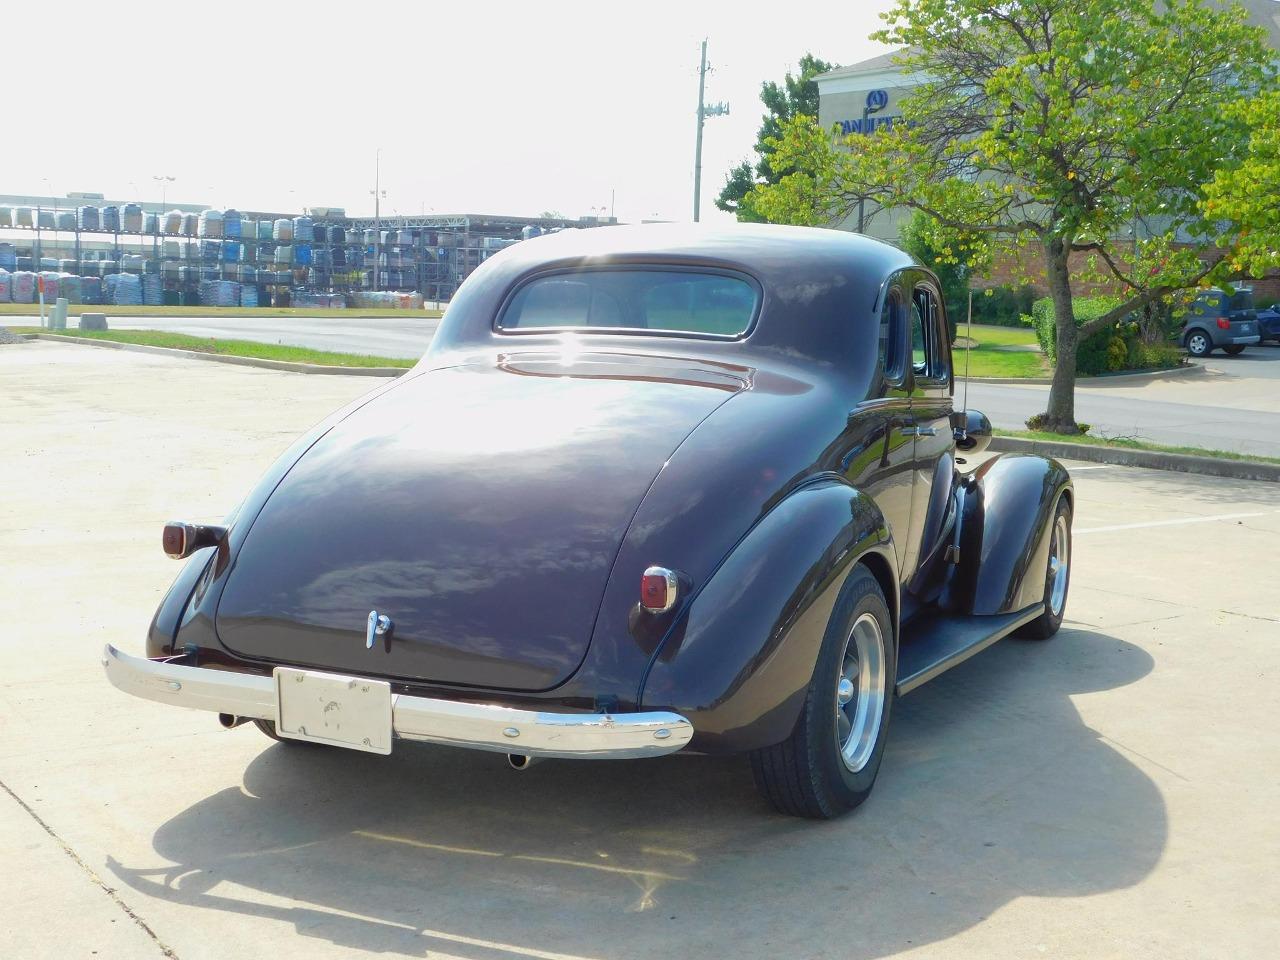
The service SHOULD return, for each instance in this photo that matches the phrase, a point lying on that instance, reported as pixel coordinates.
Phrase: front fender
(1005, 513)
(739, 659)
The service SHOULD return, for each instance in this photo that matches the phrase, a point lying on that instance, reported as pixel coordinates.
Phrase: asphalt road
(1234, 406)
(1109, 793)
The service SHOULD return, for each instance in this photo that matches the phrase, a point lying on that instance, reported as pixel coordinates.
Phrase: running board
(933, 643)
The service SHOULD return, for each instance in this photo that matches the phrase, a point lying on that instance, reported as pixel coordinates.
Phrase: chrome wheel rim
(1198, 343)
(1059, 566)
(860, 693)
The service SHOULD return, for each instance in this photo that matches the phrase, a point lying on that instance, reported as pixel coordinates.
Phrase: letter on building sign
(868, 126)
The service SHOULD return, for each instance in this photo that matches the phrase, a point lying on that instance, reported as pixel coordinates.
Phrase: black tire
(1234, 350)
(806, 775)
(269, 728)
(1198, 343)
(1046, 625)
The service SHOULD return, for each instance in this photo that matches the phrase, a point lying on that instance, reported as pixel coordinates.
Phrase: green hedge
(1002, 306)
(1115, 348)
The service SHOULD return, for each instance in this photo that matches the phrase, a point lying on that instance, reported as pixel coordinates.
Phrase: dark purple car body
(792, 445)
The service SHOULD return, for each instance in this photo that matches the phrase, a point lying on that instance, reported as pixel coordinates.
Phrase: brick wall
(1009, 270)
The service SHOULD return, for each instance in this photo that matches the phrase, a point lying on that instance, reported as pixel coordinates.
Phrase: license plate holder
(350, 712)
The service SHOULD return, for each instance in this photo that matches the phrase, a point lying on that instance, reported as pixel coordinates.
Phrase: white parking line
(1173, 523)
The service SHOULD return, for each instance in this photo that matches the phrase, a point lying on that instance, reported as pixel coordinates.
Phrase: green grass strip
(1131, 443)
(231, 348)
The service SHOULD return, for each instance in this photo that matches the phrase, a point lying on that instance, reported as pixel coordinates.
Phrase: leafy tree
(1050, 126)
(950, 254)
(797, 96)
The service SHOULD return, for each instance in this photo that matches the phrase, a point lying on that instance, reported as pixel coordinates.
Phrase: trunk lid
(479, 507)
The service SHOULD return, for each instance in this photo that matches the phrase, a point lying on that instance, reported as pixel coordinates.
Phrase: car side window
(928, 350)
(890, 344)
(919, 352)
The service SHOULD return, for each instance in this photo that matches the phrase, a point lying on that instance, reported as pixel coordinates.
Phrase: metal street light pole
(862, 201)
(876, 101)
(377, 217)
(164, 181)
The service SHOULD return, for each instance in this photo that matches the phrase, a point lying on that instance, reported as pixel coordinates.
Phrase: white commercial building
(865, 98)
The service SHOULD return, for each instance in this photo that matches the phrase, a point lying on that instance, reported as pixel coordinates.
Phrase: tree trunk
(1061, 415)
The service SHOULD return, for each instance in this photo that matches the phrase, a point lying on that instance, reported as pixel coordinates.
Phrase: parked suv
(1220, 319)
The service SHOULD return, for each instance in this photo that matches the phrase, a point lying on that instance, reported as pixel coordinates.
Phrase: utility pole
(715, 110)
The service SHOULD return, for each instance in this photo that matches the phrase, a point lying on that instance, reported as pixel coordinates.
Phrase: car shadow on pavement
(992, 789)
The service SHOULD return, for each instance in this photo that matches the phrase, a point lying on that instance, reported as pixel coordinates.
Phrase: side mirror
(971, 429)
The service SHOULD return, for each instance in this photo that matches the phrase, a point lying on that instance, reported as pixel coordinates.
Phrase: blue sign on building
(869, 125)
(877, 100)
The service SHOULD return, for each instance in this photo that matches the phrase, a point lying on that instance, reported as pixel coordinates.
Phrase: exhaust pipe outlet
(520, 761)
(228, 720)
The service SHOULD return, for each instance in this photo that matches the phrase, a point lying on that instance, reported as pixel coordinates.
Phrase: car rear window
(634, 300)
(1240, 300)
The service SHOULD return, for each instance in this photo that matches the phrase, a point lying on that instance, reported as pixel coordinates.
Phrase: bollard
(58, 318)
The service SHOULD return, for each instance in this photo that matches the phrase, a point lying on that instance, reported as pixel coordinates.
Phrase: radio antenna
(968, 345)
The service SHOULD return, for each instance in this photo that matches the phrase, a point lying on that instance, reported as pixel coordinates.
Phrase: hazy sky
(491, 107)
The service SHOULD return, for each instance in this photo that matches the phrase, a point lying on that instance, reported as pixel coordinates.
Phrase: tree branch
(1143, 298)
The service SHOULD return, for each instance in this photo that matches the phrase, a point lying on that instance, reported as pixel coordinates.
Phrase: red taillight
(658, 588)
(181, 540)
(174, 540)
(1224, 323)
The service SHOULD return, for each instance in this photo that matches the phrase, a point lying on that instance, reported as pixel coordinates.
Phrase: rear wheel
(1234, 350)
(829, 763)
(1057, 578)
(269, 728)
(1198, 343)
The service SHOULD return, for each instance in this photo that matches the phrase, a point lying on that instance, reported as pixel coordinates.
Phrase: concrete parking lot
(1109, 793)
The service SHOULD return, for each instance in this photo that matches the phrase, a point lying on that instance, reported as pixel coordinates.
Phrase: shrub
(1108, 350)
(1002, 306)
(1092, 352)
(1147, 356)
(1117, 353)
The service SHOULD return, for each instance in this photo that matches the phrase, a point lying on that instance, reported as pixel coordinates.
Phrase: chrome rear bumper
(479, 726)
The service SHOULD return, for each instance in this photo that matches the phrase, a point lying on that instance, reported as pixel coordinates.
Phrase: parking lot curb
(284, 365)
(1101, 380)
(1151, 459)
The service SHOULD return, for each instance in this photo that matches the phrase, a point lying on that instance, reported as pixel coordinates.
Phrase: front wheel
(1234, 350)
(1057, 578)
(829, 763)
(1199, 344)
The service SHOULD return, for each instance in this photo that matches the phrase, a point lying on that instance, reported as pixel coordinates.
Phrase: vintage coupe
(651, 489)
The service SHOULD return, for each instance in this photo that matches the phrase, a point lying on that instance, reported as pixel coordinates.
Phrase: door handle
(919, 431)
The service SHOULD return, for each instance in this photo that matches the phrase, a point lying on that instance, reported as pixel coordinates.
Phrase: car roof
(754, 247)
(820, 289)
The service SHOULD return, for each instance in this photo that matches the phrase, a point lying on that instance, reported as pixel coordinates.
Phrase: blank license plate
(326, 708)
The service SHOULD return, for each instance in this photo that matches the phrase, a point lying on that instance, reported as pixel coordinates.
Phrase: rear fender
(1006, 510)
(738, 660)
